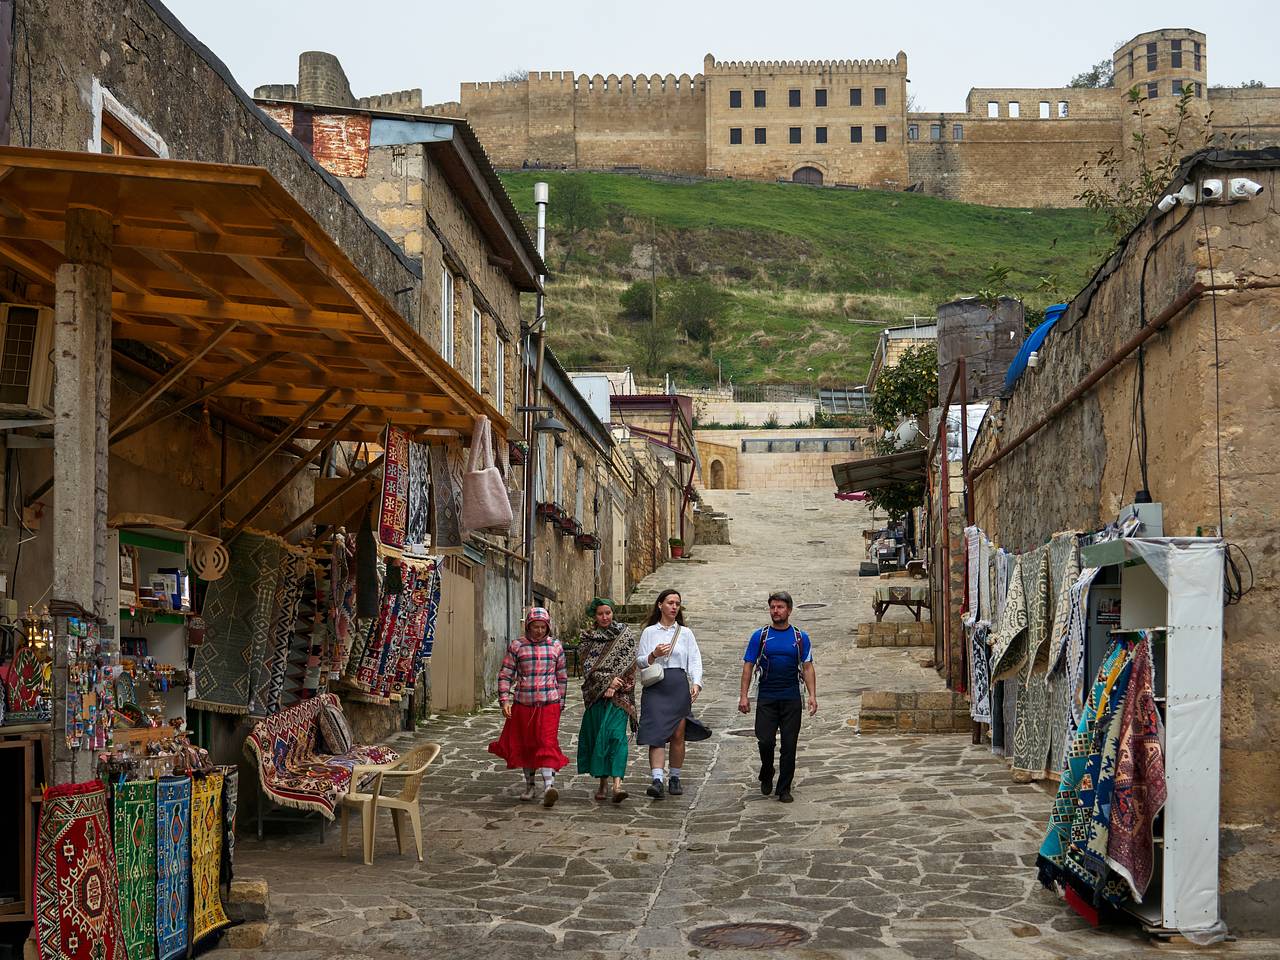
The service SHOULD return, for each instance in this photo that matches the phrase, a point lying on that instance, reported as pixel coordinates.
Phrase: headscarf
(536, 615)
(597, 602)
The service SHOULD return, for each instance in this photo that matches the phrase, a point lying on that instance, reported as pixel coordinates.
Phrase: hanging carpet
(1009, 644)
(230, 803)
(239, 610)
(268, 681)
(301, 671)
(1031, 723)
(77, 913)
(207, 915)
(447, 464)
(133, 816)
(342, 602)
(980, 672)
(173, 864)
(1075, 643)
(1064, 570)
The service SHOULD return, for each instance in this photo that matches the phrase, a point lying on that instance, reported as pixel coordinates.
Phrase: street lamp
(548, 424)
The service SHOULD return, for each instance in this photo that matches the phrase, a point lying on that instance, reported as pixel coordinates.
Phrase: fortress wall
(499, 114)
(1248, 119)
(653, 122)
(1009, 163)
(551, 121)
(1083, 103)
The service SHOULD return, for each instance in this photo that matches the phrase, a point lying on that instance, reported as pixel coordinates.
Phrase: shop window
(957, 131)
(1062, 109)
(1175, 54)
(1044, 110)
(793, 98)
(477, 348)
(993, 109)
(820, 97)
(1151, 57)
(913, 131)
(820, 134)
(794, 134)
(882, 134)
(1015, 109)
(735, 135)
(881, 96)
(760, 135)
(935, 132)
(446, 315)
(855, 134)
(735, 99)
(1153, 90)
(855, 96)
(759, 98)
(500, 374)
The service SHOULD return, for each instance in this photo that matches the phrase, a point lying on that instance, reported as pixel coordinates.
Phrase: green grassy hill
(812, 275)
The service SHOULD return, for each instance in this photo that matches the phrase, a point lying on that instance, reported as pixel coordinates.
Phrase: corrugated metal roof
(861, 475)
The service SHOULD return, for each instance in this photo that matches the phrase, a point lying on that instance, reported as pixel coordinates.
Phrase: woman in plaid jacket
(531, 690)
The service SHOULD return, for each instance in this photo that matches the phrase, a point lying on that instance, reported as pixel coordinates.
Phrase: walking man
(781, 656)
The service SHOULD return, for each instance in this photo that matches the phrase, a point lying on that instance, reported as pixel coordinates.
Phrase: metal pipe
(533, 393)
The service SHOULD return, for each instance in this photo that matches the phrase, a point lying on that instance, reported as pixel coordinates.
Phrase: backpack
(763, 671)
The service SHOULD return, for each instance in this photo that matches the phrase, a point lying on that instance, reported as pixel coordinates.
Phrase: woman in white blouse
(666, 706)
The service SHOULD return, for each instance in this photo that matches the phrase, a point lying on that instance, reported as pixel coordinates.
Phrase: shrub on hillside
(637, 301)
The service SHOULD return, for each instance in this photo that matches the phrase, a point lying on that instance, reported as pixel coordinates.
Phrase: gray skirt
(663, 706)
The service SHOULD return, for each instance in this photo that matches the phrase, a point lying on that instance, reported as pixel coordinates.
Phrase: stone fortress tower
(830, 122)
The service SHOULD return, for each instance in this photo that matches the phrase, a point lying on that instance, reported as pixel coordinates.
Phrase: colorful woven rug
(173, 864)
(239, 610)
(133, 816)
(448, 463)
(77, 913)
(230, 803)
(207, 915)
(24, 681)
(268, 682)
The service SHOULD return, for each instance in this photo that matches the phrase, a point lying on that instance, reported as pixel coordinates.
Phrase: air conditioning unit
(26, 361)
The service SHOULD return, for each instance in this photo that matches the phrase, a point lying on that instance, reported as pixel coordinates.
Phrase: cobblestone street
(898, 846)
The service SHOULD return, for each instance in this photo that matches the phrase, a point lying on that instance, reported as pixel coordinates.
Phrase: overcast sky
(387, 45)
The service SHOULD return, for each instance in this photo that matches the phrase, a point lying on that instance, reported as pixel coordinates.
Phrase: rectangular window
(993, 108)
(882, 96)
(540, 472)
(1153, 90)
(913, 131)
(1015, 109)
(1151, 57)
(855, 134)
(735, 134)
(793, 98)
(935, 131)
(1199, 89)
(795, 134)
(820, 134)
(1196, 53)
(500, 374)
(477, 349)
(760, 136)
(759, 98)
(446, 315)
(1130, 64)
(579, 492)
(1062, 109)
(735, 99)
(957, 131)
(557, 473)
(1044, 110)
(1175, 54)
(855, 96)
(1177, 88)
(882, 134)
(820, 97)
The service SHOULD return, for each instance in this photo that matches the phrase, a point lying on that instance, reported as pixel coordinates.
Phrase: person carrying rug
(671, 671)
(608, 651)
(531, 689)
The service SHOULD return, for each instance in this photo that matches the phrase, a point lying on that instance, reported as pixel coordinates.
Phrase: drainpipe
(537, 345)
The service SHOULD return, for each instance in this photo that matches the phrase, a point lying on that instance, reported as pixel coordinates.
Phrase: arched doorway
(810, 175)
(717, 475)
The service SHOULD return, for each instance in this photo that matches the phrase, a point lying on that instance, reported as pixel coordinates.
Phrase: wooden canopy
(221, 270)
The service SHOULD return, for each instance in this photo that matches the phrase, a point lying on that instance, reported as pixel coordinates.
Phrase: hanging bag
(654, 672)
(484, 494)
(515, 496)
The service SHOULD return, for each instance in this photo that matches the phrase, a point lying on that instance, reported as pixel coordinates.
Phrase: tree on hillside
(656, 338)
(694, 307)
(908, 389)
(1101, 74)
(637, 301)
(573, 210)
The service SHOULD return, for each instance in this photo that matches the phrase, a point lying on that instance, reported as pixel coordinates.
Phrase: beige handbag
(484, 492)
(654, 672)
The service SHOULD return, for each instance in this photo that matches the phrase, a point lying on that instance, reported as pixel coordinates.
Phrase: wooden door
(618, 556)
(453, 660)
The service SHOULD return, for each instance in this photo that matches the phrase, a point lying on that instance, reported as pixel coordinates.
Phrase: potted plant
(587, 541)
(677, 547)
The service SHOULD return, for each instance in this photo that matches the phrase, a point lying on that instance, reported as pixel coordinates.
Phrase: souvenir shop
(235, 632)
(1094, 662)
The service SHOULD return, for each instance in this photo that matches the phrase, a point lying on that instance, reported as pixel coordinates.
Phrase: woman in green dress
(608, 655)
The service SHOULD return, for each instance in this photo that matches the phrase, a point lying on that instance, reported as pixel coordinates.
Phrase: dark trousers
(772, 716)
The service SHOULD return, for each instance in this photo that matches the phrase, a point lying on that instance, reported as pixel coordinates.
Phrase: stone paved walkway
(896, 847)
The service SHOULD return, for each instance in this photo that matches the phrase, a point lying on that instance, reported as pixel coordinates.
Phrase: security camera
(1211, 190)
(1243, 188)
(1167, 203)
(1033, 360)
(1187, 195)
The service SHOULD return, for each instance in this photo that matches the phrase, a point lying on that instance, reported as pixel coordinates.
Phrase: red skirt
(531, 738)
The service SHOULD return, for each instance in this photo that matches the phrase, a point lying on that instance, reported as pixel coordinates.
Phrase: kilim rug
(173, 864)
(77, 913)
(133, 816)
(342, 601)
(1064, 570)
(305, 629)
(207, 915)
(1075, 651)
(418, 515)
(448, 462)
(1031, 725)
(268, 682)
(239, 609)
(1009, 643)
(230, 804)
(980, 673)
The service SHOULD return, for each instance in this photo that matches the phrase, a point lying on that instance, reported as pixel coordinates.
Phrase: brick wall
(886, 712)
(910, 634)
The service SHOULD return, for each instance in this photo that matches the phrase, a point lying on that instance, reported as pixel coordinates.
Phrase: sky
(387, 45)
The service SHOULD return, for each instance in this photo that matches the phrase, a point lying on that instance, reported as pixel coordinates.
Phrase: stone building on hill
(829, 122)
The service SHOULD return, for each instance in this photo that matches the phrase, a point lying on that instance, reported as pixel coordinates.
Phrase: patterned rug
(230, 804)
(207, 915)
(1009, 643)
(342, 602)
(980, 673)
(268, 682)
(300, 678)
(239, 610)
(133, 817)
(1031, 724)
(77, 913)
(447, 462)
(173, 863)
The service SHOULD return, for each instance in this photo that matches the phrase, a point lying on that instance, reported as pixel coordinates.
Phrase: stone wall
(986, 338)
(1086, 452)
(753, 414)
(887, 712)
(909, 634)
(1246, 119)
(792, 470)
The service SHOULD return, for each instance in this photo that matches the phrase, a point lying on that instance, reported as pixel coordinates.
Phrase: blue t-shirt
(781, 679)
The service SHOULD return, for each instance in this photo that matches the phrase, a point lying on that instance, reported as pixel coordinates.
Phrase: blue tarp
(1051, 316)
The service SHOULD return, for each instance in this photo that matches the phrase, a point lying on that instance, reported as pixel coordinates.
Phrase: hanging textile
(1009, 644)
(394, 510)
(1075, 645)
(400, 640)
(342, 602)
(986, 609)
(230, 804)
(979, 671)
(972, 551)
(268, 680)
(207, 915)
(77, 913)
(1031, 725)
(302, 667)
(448, 463)
(133, 817)
(1064, 570)
(417, 535)
(1003, 560)
(173, 864)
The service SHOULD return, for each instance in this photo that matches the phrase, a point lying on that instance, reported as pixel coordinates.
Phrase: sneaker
(550, 797)
(674, 787)
(766, 785)
(785, 796)
(654, 789)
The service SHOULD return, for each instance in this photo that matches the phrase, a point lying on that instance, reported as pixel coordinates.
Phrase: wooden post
(82, 411)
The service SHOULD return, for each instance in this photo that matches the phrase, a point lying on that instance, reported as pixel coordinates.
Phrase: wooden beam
(185, 275)
(291, 393)
(209, 309)
(171, 240)
(318, 346)
(26, 263)
(333, 497)
(293, 369)
(262, 457)
(274, 281)
(176, 373)
(268, 408)
(330, 435)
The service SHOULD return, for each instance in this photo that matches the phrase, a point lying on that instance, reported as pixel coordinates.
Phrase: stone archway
(809, 175)
(717, 474)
